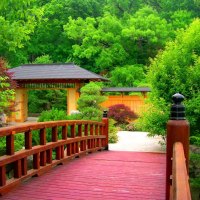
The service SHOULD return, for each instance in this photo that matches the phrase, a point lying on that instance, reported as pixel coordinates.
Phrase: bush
(112, 136)
(52, 115)
(121, 114)
(154, 119)
(89, 102)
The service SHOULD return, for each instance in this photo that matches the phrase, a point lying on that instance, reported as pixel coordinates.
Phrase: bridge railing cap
(177, 109)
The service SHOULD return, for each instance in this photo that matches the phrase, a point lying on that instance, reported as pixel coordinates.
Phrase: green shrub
(175, 69)
(52, 115)
(195, 140)
(89, 102)
(154, 119)
(112, 136)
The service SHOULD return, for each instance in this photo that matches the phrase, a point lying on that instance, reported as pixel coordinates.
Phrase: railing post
(105, 128)
(177, 131)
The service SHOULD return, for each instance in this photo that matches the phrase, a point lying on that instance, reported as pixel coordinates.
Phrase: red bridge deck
(105, 175)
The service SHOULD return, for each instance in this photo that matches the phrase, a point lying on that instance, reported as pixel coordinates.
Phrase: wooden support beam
(10, 149)
(28, 139)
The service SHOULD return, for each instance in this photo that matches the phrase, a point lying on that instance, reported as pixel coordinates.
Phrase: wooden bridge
(98, 173)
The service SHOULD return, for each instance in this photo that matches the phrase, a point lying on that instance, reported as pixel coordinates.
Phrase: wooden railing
(177, 152)
(69, 139)
(180, 180)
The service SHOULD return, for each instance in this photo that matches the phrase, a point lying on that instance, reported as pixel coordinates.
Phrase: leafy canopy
(176, 69)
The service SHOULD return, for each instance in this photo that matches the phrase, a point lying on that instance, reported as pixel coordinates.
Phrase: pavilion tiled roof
(53, 71)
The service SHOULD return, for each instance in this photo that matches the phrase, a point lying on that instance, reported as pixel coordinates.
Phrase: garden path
(137, 141)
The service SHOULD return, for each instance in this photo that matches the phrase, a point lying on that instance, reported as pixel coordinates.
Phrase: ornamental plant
(89, 103)
(121, 114)
(7, 86)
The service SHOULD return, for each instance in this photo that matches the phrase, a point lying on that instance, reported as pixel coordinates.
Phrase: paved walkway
(103, 175)
(136, 141)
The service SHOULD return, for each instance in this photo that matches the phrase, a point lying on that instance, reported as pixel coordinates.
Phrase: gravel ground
(136, 141)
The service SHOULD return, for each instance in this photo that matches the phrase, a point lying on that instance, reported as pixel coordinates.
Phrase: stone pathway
(136, 141)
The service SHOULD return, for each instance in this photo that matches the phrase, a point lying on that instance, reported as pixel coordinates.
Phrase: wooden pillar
(72, 97)
(177, 131)
(21, 108)
(105, 128)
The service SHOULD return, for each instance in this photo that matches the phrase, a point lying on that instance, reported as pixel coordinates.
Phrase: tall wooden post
(177, 131)
(72, 97)
(105, 128)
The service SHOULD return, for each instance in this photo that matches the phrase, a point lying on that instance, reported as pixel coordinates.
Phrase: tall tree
(17, 21)
(97, 42)
(176, 69)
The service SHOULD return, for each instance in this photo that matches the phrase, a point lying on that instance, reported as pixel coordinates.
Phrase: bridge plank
(105, 175)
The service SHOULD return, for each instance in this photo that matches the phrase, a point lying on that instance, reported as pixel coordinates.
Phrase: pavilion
(66, 76)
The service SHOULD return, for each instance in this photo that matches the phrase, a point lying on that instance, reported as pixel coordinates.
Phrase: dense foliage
(111, 37)
(7, 86)
(176, 69)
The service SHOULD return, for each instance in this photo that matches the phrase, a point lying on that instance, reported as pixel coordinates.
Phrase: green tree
(7, 86)
(127, 76)
(176, 69)
(17, 21)
(97, 42)
(89, 102)
(122, 7)
(145, 34)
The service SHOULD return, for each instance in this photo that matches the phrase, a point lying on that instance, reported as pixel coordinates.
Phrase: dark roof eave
(127, 89)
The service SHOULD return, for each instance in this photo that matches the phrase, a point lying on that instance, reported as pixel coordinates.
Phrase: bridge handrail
(180, 179)
(85, 137)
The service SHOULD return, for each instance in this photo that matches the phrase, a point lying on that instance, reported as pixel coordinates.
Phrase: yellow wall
(72, 97)
(21, 110)
(136, 103)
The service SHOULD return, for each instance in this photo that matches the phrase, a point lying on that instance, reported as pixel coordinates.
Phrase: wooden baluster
(73, 135)
(62, 151)
(91, 133)
(28, 139)
(43, 158)
(43, 154)
(17, 169)
(101, 133)
(2, 176)
(97, 133)
(43, 136)
(49, 156)
(80, 130)
(86, 134)
(64, 132)
(69, 150)
(10, 148)
(24, 166)
(73, 132)
(72, 148)
(54, 134)
(77, 147)
(36, 161)
(58, 153)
